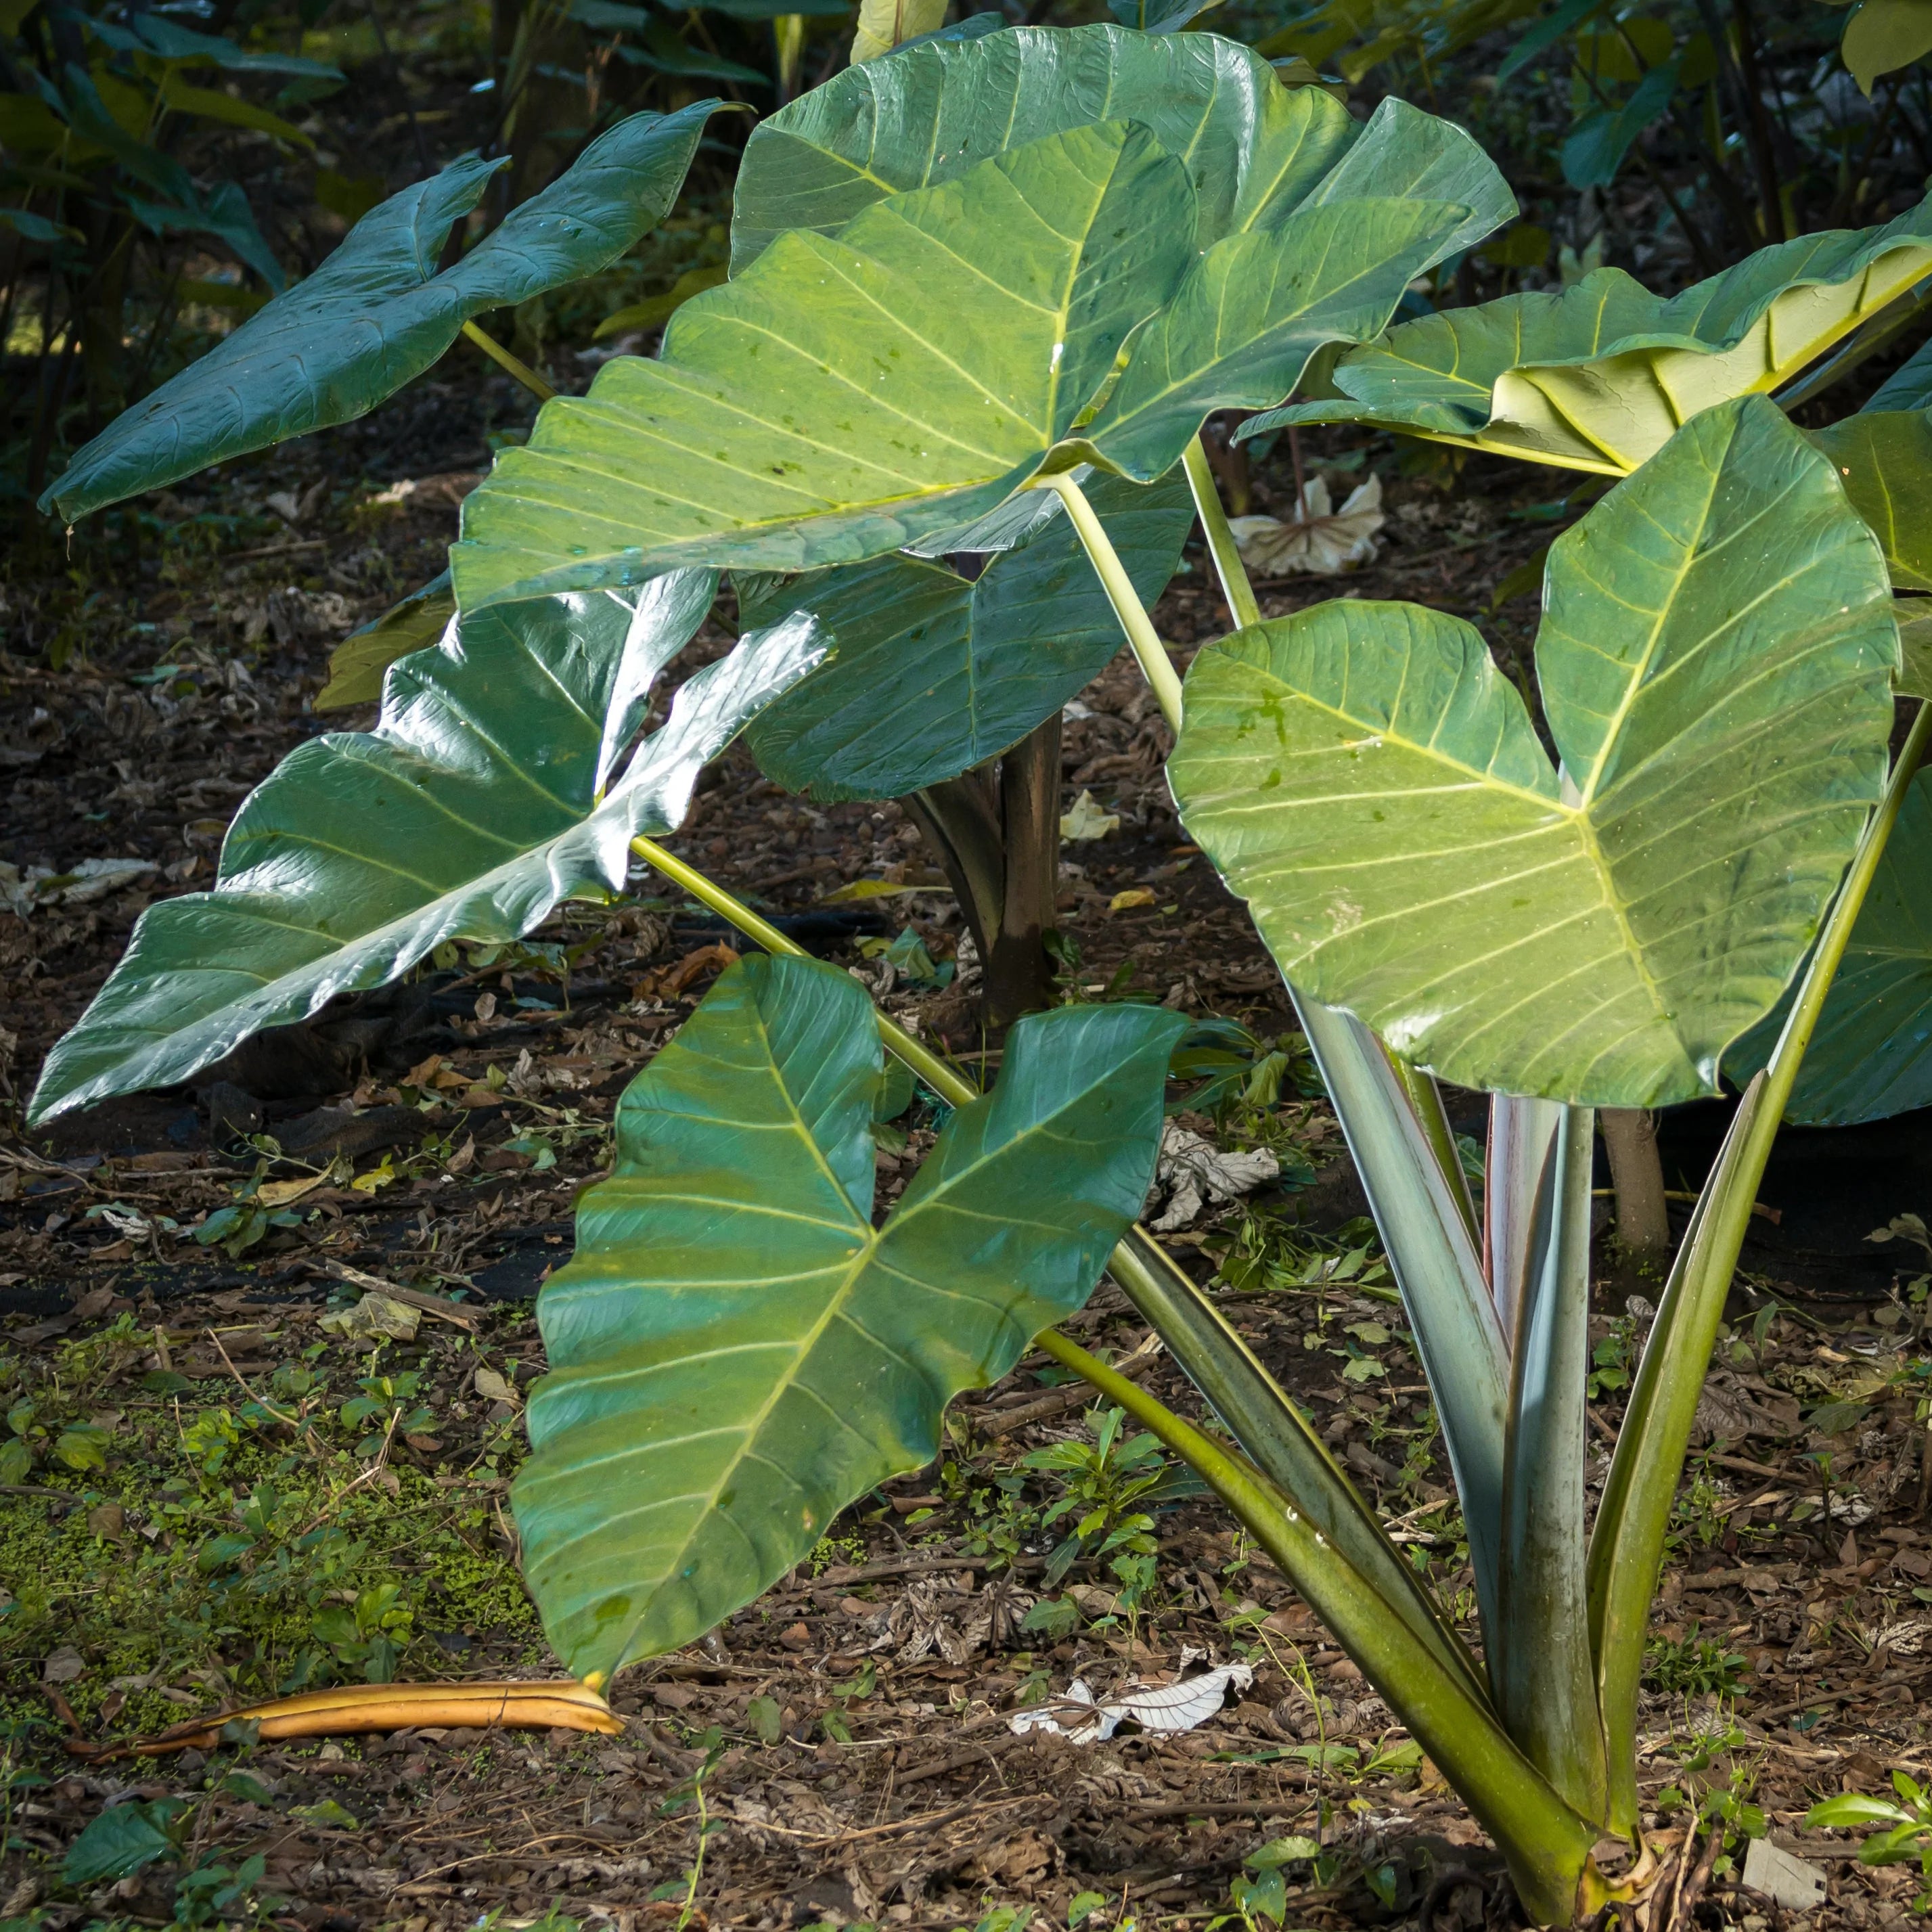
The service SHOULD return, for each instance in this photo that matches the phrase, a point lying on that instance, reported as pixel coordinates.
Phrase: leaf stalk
(1155, 663)
(514, 365)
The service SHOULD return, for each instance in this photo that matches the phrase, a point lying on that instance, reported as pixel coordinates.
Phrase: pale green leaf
(844, 395)
(1715, 662)
(1254, 149)
(471, 809)
(1599, 376)
(1884, 460)
(735, 1351)
(1884, 35)
(377, 313)
(931, 674)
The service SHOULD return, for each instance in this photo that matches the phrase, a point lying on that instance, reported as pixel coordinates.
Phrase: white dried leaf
(1196, 1172)
(1183, 1706)
(1322, 541)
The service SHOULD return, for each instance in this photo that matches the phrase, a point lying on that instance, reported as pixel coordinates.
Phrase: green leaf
(475, 806)
(356, 665)
(1263, 158)
(1252, 310)
(1715, 659)
(843, 396)
(931, 674)
(173, 42)
(1884, 460)
(1908, 387)
(376, 314)
(1254, 149)
(119, 1843)
(1599, 376)
(736, 1352)
(1914, 645)
(1884, 35)
(1594, 152)
(1871, 1055)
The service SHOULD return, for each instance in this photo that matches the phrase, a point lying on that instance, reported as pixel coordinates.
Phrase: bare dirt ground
(218, 1495)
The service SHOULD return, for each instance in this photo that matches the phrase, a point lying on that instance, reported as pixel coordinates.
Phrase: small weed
(1904, 1833)
(1103, 1482)
(1695, 1667)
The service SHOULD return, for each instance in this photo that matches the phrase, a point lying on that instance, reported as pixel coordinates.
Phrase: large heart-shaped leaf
(931, 674)
(1884, 460)
(376, 314)
(1256, 150)
(478, 802)
(931, 112)
(1715, 661)
(1599, 376)
(736, 1352)
(845, 394)
(1281, 277)
(1870, 1056)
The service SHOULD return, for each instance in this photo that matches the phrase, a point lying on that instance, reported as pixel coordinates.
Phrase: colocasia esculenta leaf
(488, 791)
(377, 313)
(737, 1353)
(1716, 660)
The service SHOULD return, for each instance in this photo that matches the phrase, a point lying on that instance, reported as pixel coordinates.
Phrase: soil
(841, 1752)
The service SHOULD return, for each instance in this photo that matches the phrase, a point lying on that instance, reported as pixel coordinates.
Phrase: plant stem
(1154, 661)
(1636, 1177)
(1627, 1545)
(1425, 1097)
(1542, 1670)
(1242, 605)
(950, 1086)
(1547, 1845)
(498, 354)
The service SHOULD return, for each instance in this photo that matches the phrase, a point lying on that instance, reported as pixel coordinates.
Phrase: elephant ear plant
(937, 425)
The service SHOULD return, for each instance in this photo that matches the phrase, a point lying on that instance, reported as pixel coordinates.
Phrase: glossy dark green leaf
(376, 314)
(356, 665)
(478, 803)
(1871, 1054)
(122, 1840)
(1884, 460)
(844, 395)
(737, 1353)
(1599, 376)
(930, 674)
(1715, 659)
(1595, 151)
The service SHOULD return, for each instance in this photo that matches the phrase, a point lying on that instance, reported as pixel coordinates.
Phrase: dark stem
(960, 820)
(1637, 1176)
(1019, 973)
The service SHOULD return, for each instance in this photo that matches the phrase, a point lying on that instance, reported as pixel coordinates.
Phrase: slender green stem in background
(1626, 1545)
(1208, 1351)
(1155, 663)
(1425, 1097)
(1221, 546)
(498, 354)
(1547, 1845)
(951, 1086)
(1541, 1664)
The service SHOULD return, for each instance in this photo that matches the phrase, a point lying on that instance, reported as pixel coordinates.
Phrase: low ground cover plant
(941, 424)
